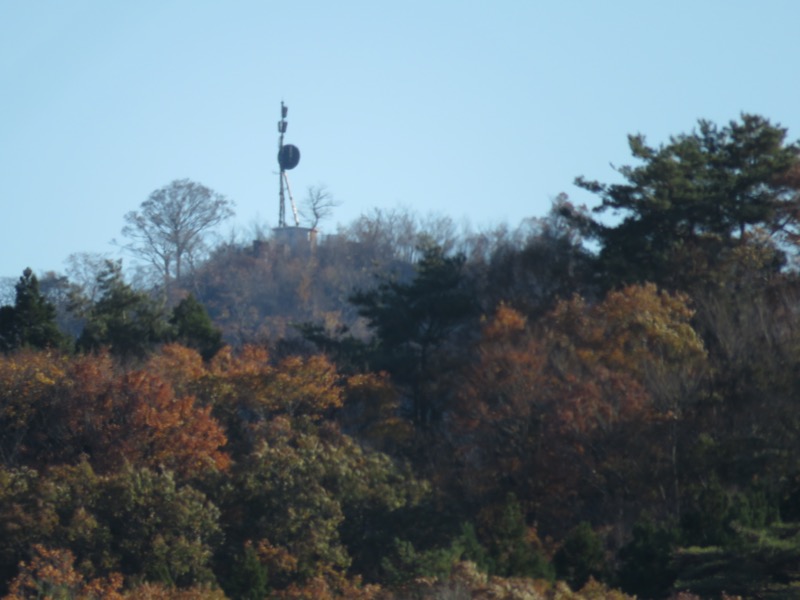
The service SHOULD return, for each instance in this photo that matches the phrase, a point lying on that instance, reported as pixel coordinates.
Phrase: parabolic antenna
(288, 157)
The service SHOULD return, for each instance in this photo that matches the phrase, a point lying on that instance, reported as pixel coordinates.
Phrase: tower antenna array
(288, 158)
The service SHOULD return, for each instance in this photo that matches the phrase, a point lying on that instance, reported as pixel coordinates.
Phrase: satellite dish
(288, 157)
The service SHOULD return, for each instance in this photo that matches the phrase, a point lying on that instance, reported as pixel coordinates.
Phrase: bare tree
(318, 205)
(170, 227)
(83, 270)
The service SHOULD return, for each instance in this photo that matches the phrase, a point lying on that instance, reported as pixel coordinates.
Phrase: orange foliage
(135, 417)
(504, 323)
(148, 426)
(295, 386)
(511, 411)
(539, 404)
(547, 406)
(51, 574)
(54, 409)
(516, 377)
(250, 360)
(179, 365)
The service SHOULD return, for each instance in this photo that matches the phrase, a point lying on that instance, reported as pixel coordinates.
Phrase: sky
(481, 111)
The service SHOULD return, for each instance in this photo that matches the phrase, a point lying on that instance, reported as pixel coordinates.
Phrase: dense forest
(590, 404)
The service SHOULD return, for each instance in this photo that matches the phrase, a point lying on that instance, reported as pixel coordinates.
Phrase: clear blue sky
(482, 111)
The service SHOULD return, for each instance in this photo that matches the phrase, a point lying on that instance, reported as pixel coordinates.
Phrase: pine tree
(127, 321)
(193, 328)
(692, 202)
(31, 322)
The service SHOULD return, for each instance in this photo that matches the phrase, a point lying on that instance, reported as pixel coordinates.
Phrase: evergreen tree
(193, 328)
(580, 557)
(31, 322)
(128, 322)
(645, 562)
(694, 200)
(249, 578)
(413, 321)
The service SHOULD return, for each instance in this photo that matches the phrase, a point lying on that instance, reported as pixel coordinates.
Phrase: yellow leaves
(636, 330)
(307, 386)
(294, 386)
(27, 379)
(506, 321)
(642, 319)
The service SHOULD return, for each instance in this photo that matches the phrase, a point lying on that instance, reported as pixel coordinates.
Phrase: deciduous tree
(51, 574)
(318, 205)
(54, 409)
(169, 228)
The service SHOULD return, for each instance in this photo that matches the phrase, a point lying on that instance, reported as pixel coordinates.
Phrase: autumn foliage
(60, 408)
(572, 409)
(51, 574)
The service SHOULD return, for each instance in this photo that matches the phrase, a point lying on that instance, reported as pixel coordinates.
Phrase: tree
(134, 521)
(54, 409)
(412, 321)
(544, 260)
(386, 235)
(193, 328)
(126, 321)
(159, 529)
(51, 574)
(522, 423)
(61, 293)
(31, 321)
(318, 205)
(581, 556)
(311, 500)
(694, 199)
(170, 226)
(138, 420)
(31, 415)
(578, 413)
(641, 337)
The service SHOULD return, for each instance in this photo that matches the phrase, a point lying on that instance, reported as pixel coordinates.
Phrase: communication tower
(288, 158)
(299, 239)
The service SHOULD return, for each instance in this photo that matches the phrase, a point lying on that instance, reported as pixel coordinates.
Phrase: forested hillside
(588, 404)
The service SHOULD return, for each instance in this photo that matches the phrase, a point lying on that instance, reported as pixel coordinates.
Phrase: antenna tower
(288, 158)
